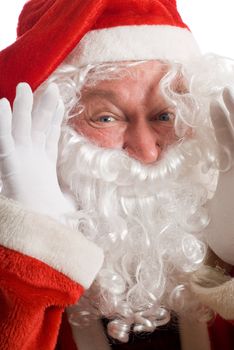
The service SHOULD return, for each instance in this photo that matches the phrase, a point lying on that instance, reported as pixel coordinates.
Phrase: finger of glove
(221, 124)
(228, 98)
(43, 113)
(6, 140)
(55, 131)
(22, 109)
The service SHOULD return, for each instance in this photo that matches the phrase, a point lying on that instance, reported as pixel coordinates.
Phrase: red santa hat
(93, 31)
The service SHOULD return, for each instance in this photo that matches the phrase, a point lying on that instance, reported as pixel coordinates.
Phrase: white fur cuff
(43, 238)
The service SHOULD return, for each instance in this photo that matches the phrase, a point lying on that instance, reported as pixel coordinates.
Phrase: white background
(211, 21)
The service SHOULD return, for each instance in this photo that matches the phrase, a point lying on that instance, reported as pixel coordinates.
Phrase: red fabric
(222, 334)
(65, 339)
(116, 13)
(49, 30)
(32, 298)
(36, 54)
(138, 12)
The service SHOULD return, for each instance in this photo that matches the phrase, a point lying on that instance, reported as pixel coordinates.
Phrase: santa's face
(129, 113)
(137, 196)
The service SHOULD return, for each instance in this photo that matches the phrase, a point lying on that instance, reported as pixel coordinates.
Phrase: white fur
(144, 42)
(215, 289)
(43, 238)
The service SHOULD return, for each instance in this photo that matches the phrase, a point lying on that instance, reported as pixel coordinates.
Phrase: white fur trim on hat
(135, 42)
(45, 239)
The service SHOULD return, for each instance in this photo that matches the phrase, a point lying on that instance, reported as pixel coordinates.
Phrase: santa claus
(116, 178)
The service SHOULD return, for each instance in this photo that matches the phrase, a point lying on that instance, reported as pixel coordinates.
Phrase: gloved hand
(29, 138)
(220, 231)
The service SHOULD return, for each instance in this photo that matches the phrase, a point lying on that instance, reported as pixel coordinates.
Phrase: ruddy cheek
(167, 136)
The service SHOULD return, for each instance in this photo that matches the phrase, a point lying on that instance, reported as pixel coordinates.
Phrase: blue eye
(106, 119)
(164, 117)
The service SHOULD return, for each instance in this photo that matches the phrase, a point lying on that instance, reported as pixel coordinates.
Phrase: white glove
(220, 232)
(29, 138)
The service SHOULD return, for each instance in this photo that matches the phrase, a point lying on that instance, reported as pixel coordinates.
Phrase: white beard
(149, 222)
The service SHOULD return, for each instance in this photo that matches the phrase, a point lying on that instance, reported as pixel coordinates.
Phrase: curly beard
(149, 222)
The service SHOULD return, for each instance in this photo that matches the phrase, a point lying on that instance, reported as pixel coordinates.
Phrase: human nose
(141, 142)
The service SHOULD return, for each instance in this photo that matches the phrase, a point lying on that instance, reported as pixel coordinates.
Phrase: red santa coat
(43, 270)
